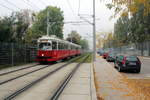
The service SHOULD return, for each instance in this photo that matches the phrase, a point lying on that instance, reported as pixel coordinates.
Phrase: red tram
(54, 49)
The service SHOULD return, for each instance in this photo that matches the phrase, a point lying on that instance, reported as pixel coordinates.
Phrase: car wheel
(115, 65)
(119, 69)
(107, 59)
(137, 70)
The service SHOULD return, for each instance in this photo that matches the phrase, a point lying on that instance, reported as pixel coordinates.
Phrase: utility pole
(94, 32)
(47, 23)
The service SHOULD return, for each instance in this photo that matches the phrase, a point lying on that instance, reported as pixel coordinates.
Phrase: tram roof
(56, 39)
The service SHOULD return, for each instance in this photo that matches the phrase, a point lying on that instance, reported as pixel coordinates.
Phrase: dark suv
(111, 57)
(123, 62)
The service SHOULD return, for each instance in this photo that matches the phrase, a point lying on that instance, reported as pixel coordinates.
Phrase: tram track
(5, 73)
(30, 72)
(64, 83)
(26, 87)
(11, 79)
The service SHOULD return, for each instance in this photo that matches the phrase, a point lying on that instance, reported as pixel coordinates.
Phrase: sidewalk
(110, 82)
(81, 86)
(143, 57)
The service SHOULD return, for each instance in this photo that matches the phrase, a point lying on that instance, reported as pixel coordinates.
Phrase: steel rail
(6, 81)
(60, 89)
(1, 74)
(16, 93)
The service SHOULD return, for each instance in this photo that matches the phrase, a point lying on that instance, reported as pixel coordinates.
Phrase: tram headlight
(42, 54)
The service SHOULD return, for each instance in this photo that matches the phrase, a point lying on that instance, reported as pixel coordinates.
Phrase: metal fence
(13, 54)
(139, 49)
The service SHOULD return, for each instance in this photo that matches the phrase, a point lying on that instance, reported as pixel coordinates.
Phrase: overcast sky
(71, 10)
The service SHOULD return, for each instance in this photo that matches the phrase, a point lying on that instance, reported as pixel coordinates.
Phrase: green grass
(88, 60)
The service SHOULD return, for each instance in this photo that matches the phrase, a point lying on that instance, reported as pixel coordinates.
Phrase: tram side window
(63, 46)
(66, 47)
(72, 47)
(76, 48)
(60, 46)
(54, 45)
(69, 46)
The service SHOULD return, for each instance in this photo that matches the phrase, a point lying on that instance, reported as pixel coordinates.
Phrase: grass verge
(88, 60)
(140, 88)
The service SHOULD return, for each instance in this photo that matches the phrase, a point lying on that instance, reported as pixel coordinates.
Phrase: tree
(133, 30)
(6, 29)
(109, 41)
(14, 27)
(139, 28)
(22, 23)
(74, 37)
(56, 18)
(121, 29)
(100, 38)
(84, 44)
(124, 7)
(133, 24)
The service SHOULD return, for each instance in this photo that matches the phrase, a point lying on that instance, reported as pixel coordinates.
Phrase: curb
(93, 89)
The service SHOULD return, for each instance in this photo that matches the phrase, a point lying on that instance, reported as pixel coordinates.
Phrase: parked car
(105, 54)
(100, 52)
(111, 57)
(126, 62)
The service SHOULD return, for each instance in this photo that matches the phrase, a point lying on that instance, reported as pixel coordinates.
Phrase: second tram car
(51, 48)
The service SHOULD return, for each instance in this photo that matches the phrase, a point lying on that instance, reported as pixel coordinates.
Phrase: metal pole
(94, 30)
(71, 38)
(47, 23)
(12, 54)
(25, 53)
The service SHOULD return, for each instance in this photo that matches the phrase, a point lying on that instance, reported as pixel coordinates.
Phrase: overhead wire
(6, 7)
(34, 5)
(68, 2)
(42, 2)
(12, 4)
(27, 2)
(55, 2)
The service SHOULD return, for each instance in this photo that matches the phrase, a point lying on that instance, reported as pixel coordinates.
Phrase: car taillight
(124, 60)
(139, 61)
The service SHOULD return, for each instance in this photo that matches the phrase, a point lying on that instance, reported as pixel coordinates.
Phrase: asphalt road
(145, 70)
